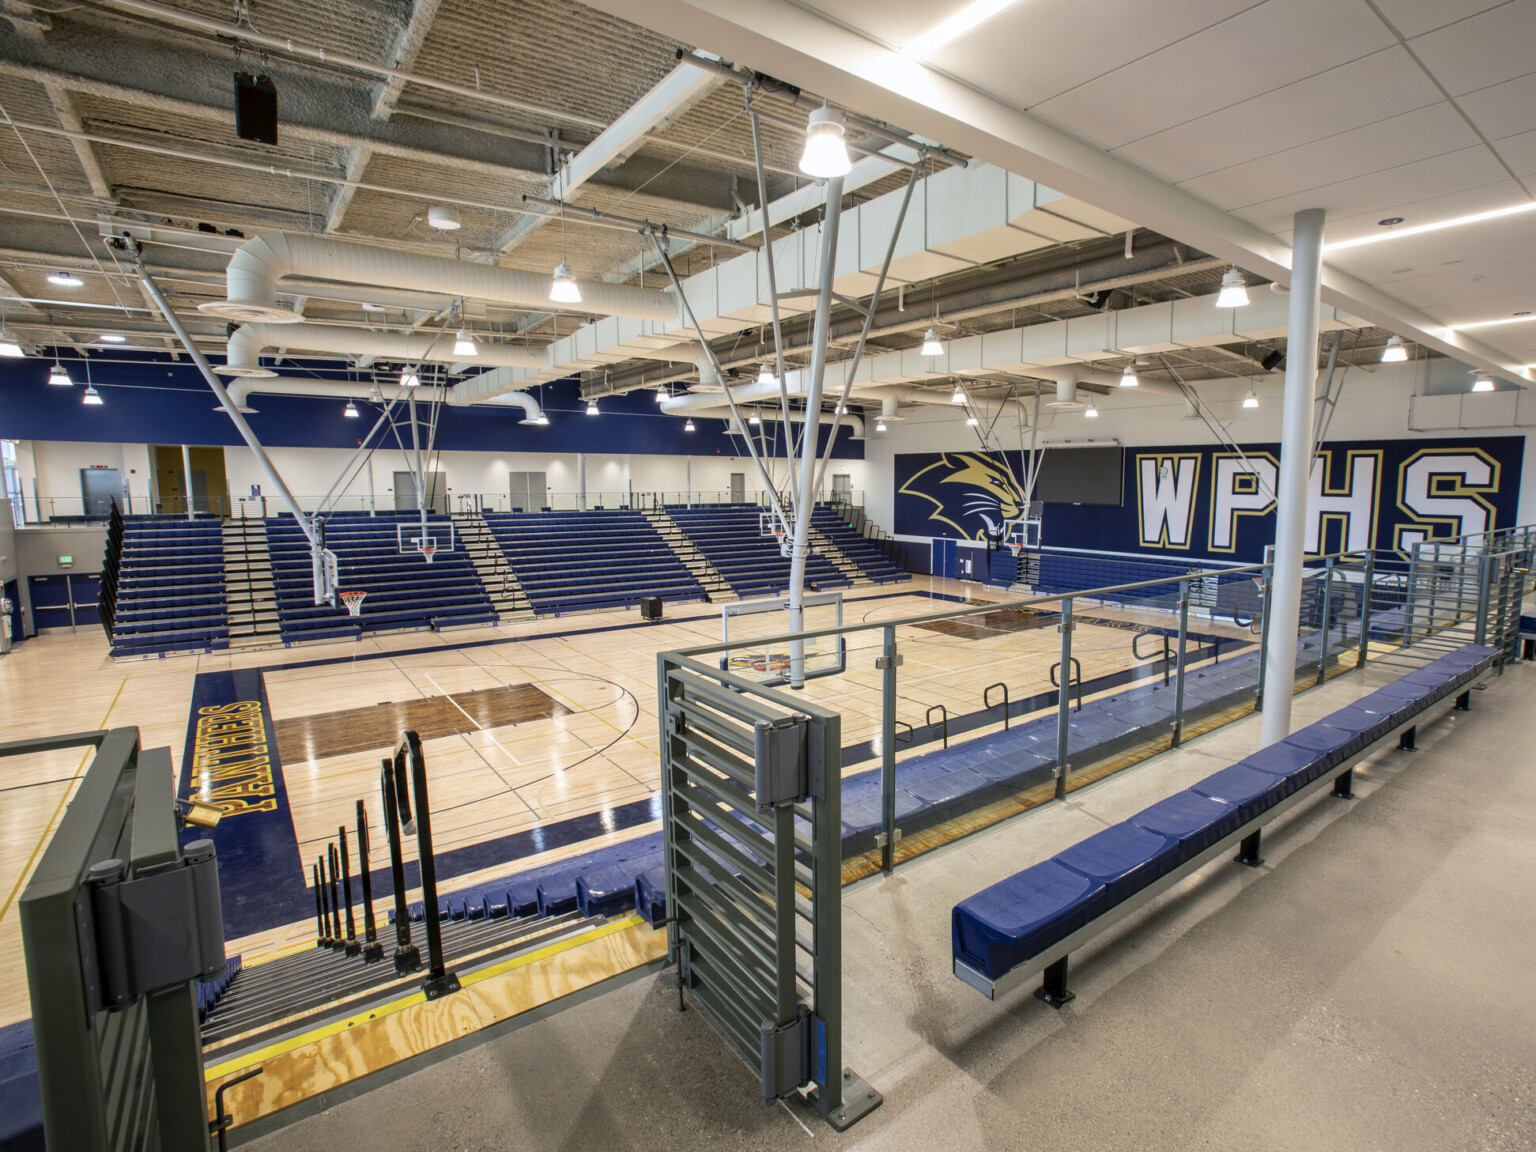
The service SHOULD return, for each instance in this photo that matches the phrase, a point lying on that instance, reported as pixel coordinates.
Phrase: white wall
(309, 473)
(1373, 406)
(56, 467)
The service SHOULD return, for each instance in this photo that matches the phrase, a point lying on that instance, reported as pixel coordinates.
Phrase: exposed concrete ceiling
(120, 111)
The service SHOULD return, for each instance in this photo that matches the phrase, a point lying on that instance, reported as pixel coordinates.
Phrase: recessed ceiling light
(977, 12)
(1419, 229)
(1390, 221)
(65, 280)
(443, 218)
(1526, 319)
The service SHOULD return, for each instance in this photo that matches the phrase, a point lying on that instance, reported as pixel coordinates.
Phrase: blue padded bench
(21, 1098)
(1528, 636)
(1029, 923)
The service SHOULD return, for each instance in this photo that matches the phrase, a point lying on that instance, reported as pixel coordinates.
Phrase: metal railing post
(1411, 595)
(1364, 651)
(1483, 574)
(1326, 634)
(888, 663)
(1064, 698)
(1178, 689)
(1264, 615)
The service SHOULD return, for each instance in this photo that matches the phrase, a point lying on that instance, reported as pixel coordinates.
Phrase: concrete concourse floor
(1370, 987)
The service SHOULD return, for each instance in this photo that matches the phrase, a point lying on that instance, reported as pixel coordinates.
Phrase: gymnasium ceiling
(120, 110)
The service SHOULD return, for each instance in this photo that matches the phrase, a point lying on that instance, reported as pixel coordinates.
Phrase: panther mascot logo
(972, 494)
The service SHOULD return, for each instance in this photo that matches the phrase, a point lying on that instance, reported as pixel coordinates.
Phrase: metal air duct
(243, 356)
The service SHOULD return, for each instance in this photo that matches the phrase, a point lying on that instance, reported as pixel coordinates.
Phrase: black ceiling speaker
(1273, 360)
(255, 108)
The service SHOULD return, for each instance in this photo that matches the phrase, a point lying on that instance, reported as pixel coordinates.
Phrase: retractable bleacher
(872, 562)
(170, 588)
(730, 537)
(1031, 922)
(579, 561)
(404, 591)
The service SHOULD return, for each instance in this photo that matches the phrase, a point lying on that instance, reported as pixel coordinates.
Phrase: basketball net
(429, 551)
(1015, 549)
(353, 602)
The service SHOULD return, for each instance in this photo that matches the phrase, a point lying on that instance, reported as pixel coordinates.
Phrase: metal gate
(751, 810)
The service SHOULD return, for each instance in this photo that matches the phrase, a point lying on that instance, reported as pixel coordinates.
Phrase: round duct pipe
(241, 390)
(243, 354)
(257, 266)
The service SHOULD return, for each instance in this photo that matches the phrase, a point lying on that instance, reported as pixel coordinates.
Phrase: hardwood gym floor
(540, 736)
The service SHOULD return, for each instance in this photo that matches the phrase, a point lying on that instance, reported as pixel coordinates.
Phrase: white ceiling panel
(1451, 172)
(1519, 152)
(1386, 144)
(1484, 49)
(892, 22)
(1361, 92)
(1497, 193)
(1264, 48)
(1481, 297)
(1456, 252)
(1503, 109)
(1085, 41)
(1416, 17)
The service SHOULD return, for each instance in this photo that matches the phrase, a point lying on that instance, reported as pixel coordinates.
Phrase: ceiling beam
(170, 78)
(798, 45)
(402, 55)
(674, 94)
(69, 117)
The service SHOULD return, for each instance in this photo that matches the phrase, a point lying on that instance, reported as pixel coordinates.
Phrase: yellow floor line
(26, 870)
(338, 1026)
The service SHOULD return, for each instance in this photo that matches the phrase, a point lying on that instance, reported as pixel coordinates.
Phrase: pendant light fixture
(971, 422)
(91, 397)
(931, 343)
(662, 393)
(753, 419)
(409, 379)
(9, 345)
(58, 377)
(1395, 352)
(688, 427)
(1128, 378)
(563, 288)
(592, 408)
(375, 395)
(464, 344)
(1251, 400)
(1091, 412)
(542, 420)
(1483, 383)
(765, 373)
(879, 425)
(958, 395)
(1234, 290)
(826, 145)
(350, 411)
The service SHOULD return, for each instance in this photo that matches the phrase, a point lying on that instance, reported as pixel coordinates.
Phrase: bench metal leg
(1053, 985)
(1464, 701)
(1408, 741)
(1529, 650)
(1248, 850)
(1343, 786)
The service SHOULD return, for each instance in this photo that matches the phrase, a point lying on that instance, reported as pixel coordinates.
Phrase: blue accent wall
(170, 403)
(1419, 488)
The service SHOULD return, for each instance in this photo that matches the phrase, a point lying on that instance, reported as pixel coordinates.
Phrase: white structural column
(808, 438)
(581, 481)
(186, 474)
(1295, 467)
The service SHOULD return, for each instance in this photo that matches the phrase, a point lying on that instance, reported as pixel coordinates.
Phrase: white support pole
(808, 446)
(1295, 468)
(186, 474)
(581, 481)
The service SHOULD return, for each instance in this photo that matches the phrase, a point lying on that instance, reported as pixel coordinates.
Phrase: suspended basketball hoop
(429, 551)
(353, 602)
(1015, 549)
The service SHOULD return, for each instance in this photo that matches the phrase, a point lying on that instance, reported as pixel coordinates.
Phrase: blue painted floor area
(231, 759)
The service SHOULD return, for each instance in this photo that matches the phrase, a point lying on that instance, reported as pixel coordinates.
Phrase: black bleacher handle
(1076, 678)
(1166, 654)
(910, 734)
(439, 981)
(372, 949)
(407, 958)
(943, 717)
(986, 700)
